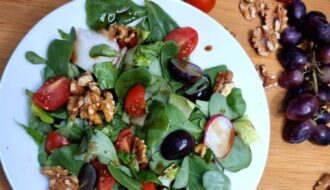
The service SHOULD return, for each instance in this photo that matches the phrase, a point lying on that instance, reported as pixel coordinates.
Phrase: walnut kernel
(59, 178)
(265, 40)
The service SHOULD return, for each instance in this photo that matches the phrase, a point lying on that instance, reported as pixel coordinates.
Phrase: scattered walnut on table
(267, 79)
(276, 18)
(140, 150)
(224, 83)
(125, 36)
(59, 178)
(265, 40)
(251, 8)
(323, 183)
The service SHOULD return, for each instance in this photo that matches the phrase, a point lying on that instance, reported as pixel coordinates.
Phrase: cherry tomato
(186, 38)
(149, 186)
(105, 179)
(124, 140)
(54, 141)
(204, 5)
(135, 104)
(53, 94)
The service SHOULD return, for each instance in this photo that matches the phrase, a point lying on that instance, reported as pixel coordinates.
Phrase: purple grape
(323, 117)
(323, 53)
(324, 75)
(324, 93)
(320, 135)
(293, 58)
(291, 37)
(315, 15)
(296, 11)
(298, 131)
(302, 107)
(184, 71)
(289, 79)
(292, 93)
(316, 29)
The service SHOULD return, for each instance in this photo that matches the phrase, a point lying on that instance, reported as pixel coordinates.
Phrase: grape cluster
(305, 56)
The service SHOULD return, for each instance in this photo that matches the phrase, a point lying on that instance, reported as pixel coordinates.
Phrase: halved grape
(289, 79)
(323, 53)
(291, 36)
(302, 107)
(298, 131)
(296, 11)
(184, 71)
(324, 74)
(293, 58)
(321, 135)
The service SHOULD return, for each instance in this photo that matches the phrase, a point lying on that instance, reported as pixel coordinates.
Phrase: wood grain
(289, 167)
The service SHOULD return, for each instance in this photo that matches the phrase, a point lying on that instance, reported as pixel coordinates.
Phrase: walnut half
(140, 150)
(250, 9)
(323, 183)
(276, 18)
(59, 178)
(224, 83)
(265, 40)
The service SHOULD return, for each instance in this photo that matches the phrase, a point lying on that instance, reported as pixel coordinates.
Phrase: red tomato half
(204, 5)
(54, 141)
(186, 38)
(135, 104)
(149, 186)
(105, 180)
(53, 94)
(124, 140)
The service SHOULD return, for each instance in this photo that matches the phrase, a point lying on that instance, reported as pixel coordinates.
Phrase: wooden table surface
(289, 167)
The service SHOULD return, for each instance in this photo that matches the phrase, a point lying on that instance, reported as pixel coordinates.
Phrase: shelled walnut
(125, 36)
(265, 40)
(266, 78)
(87, 101)
(59, 178)
(140, 150)
(224, 83)
(323, 183)
(251, 8)
(276, 18)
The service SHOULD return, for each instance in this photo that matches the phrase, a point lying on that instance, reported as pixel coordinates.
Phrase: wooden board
(289, 167)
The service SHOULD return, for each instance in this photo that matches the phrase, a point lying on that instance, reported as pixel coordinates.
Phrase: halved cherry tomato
(135, 104)
(186, 38)
(124, 140)
(53, 94)
(204, 5)
(54, 141)
(105, 179)
(149, 186)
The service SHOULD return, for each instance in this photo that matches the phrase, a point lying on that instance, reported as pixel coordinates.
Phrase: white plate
(19, 151)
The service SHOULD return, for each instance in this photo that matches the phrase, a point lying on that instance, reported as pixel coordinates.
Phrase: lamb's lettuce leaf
(106, 75)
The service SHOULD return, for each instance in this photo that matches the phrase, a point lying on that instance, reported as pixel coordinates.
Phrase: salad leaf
(36, 135)
(34, 58)
(245, 130)
(158, 164)
(106, 75)
(42, 154)
(65, 157)
(168, 175)
(215, 180)
(236, 102)
(101, 13)
(59, 54)
(238, 158)
(103, 50)
(182, 177)
(147, 176)
(203, 106)
(213, 72)
(60, 113)
(159, 22)
(71, 131)
(124, 179)
(130, 78)
(36, 124)
(125, 158)
(200, 85)
(218, 105)
(40, 113)
(116, 125)
(159, 90)
(64, 35)
(144, 55)
(183, 104)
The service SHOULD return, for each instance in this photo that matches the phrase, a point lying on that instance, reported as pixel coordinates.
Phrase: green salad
(123, 107)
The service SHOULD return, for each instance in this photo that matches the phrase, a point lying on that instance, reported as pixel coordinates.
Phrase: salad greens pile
(168, 105)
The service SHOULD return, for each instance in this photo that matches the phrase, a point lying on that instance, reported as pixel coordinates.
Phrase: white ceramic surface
(19, 151)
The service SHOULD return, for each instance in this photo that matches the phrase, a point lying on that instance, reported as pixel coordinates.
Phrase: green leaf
(200, 85)
(218, 105)
(106, 75)
(60, 113)
(40, 113)
(245, 130)
(239, 157)
(42, 154)
(103, 50)
(130, 78)
(147, 176)
(65, 157)
(160, 23)
(101, 13)
(71, 131)
(203, 106)
(125, 157)
(123, 178)
(213, 72)
(48, 73)
(158, 163)
(236, 102)
(169, 175)
(183, 104)
(182, 177)
(64, 35)
(144, 55)
(34, 58)
(36, 124)
(36, 135)
(215, 180)
(159, 89)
